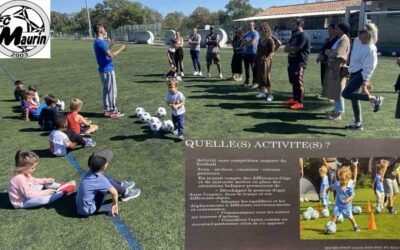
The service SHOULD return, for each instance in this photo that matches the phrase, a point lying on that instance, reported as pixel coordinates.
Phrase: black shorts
(213, 57)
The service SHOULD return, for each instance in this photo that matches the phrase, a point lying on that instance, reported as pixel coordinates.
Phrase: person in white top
(363, 61)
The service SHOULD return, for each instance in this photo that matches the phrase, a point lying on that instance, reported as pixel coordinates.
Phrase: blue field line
(119, 224)
(8, 75)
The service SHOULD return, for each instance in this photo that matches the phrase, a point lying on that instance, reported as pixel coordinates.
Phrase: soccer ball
(310, 209)
(394, 53)
(153, 119)
(138, 112)
(301, 200)
(325, 212)
(307, 215)
(314, 215)
(357, 210)
(145, 117)
(340, 218)
(168, 126)
(330, 227)
(161, 112)
(306, 199)
(155, 126)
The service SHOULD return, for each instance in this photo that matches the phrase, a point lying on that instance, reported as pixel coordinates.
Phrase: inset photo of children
(349, 198)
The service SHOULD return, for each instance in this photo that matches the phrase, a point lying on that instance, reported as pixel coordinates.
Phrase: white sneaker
(220, 76)
(182, 74)
(208, 75)
(261, 95)
(254, 85)
(200, 73)
(270, 98)
(195, 73)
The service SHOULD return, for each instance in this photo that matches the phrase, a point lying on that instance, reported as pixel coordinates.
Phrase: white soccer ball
(153, 119)
(306, 199)
(145, 117)
(314, 215)
(394, 53)
(138, 112)
(330, 227)
(161, 112)
(301, 200)
(325, 212)
(310, 209)
(168, 126)
(307, 215)
(357, 210)
(155, 126)
(340, 218)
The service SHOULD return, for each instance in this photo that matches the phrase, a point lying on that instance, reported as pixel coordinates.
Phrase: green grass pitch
(215, 109)
(387, 224)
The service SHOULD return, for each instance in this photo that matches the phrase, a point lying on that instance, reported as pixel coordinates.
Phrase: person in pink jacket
(26, 191)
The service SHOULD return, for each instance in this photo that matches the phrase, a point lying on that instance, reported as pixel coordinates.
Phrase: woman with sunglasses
(363, 61)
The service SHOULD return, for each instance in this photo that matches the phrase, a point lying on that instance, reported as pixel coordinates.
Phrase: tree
(236, 9)
(173, 21)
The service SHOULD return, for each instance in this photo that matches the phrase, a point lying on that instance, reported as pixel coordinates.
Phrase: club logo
(24, 29)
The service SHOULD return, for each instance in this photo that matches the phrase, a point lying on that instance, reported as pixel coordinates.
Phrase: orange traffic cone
(368, 207)
(372, 225)
(319, 208)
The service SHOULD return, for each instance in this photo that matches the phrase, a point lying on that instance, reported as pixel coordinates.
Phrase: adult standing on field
(250, 42)
(335, 81)
(397, 88)
(104, 56)
(194, 42)
(363, 61)
(212, 42)
(179, 53)
(237, 58)
(263, 63)
(298, 50)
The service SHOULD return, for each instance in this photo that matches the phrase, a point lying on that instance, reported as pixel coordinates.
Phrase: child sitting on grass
(344, 196)
(95, 185)
(29, 107)
(77, 123)
(324, 189)
(378, 188)
(26, 191)
(176, 101)
(47, 117)
(33, 90)
(19, 91)
(62, 141)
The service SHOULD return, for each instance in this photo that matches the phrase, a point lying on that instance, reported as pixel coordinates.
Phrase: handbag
(344, 71)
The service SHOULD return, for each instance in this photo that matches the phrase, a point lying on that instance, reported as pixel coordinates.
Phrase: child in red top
(77, 123)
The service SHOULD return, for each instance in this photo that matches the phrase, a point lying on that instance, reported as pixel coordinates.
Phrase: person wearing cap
(212, 42)
(95, 185)
(335, 81)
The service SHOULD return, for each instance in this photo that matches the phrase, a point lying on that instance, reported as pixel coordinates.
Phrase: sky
(167, 6)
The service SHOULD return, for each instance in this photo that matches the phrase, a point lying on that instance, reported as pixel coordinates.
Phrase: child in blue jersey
(324, 189)
(344, 196)
(378, 188)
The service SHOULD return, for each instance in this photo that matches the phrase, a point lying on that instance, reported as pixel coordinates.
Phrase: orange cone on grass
(368, 207)
(372, 225)
(319, 208)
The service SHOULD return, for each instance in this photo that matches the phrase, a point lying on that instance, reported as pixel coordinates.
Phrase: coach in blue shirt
(104, 57)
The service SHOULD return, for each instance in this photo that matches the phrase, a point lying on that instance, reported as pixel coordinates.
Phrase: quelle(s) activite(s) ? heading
(269, 144)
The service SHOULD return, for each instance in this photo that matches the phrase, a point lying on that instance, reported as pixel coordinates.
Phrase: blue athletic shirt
(249, 36)
(91, 183)
(103, 60)
(324, 183)
(378, 184)
(342, 194)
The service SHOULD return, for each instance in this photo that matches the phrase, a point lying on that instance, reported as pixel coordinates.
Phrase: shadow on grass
(144, 137)
(152, 75)
(285, 116)
(16, 109)
(31, 130)
(5, 201)
(151, 81)
(284, 128)
(16, 117)
(92, 115)
(44, 153)
(223, 97)
(231, 106)
(9, 100)
(66, 206)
